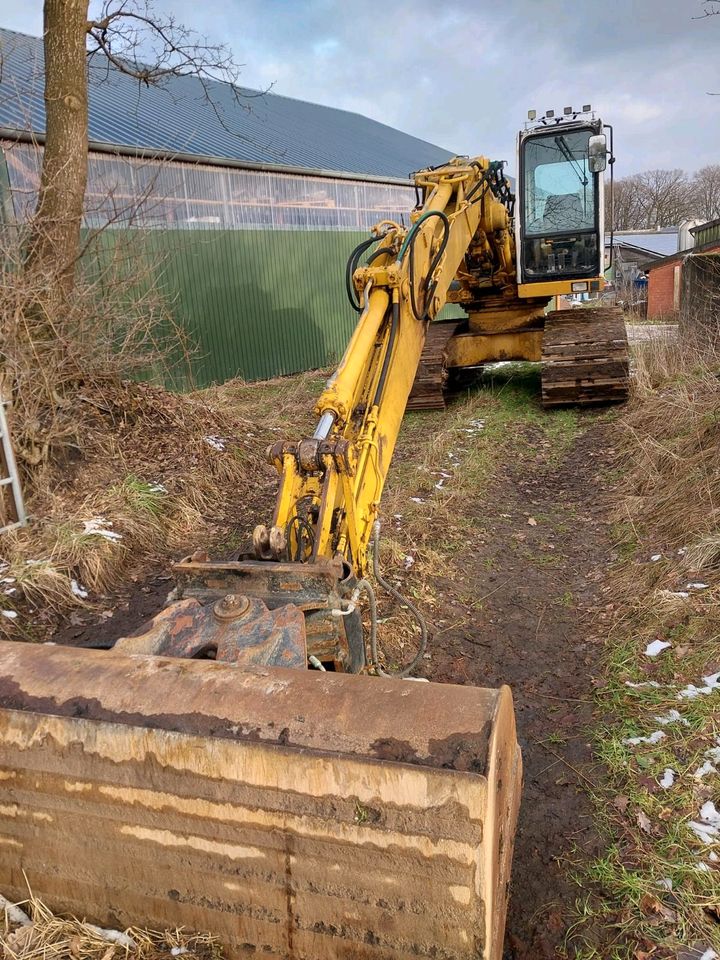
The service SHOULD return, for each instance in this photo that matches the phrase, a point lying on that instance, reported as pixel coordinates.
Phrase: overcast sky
(463, 74)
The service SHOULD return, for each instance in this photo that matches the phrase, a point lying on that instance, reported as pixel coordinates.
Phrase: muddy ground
(538, 628)
(528, 613)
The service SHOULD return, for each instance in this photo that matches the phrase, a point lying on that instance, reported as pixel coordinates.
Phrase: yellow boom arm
(331, 483)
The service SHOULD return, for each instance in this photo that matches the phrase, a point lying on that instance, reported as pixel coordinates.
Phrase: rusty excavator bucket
(295, 814)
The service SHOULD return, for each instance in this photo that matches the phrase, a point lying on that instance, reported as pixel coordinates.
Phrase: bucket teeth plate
(295, 814)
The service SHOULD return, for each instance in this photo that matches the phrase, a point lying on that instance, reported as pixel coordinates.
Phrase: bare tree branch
(128, 37)
(711, 8)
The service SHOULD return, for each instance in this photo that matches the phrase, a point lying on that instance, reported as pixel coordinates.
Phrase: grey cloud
(463, 74)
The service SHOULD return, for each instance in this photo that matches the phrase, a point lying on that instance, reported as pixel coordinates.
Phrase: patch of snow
(709, 954)
(707, 826)
(704, 770)
(644, 683)
(9, 614)
(217, 443)
(655, 557)
(78, 589)
(155, 487)
(14, 913)
(113, 936)
(178, 951)
(99, 527)
(417, 499)
(697, 586)
(666, 882)
(672, 716)
(10, 591)
(409, 561)
(655, 737)
(690, 692)
(8, 580)
(667, 779)
(656, 647)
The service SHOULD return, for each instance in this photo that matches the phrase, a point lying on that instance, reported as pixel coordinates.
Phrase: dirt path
(538, 593)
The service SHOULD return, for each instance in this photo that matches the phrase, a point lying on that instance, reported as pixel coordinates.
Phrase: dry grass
(159, 474)
(672, 447)
(31, 931)
(657, 888)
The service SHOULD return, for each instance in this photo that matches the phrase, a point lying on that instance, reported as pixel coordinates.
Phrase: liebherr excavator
(233, 766)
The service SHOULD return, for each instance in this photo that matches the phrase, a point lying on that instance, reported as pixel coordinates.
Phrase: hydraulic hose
(394, 322)
(429, 287)
(407, 670)
(351, 267)
(415, 227)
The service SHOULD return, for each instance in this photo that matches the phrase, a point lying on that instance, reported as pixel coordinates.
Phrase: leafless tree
(664, 197)
(129, 36)
(627, 213)
(706, 193)
(652, 199)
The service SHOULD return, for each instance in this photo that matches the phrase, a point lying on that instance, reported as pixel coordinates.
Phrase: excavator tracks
(428, 392)
(585, 357)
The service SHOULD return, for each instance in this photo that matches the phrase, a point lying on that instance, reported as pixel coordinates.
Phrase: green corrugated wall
(255, 303)
(258, 303)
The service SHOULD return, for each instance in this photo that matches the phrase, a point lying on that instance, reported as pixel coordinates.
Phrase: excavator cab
(559, 223)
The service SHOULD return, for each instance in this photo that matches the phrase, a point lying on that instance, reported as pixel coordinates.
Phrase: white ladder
(12, 507)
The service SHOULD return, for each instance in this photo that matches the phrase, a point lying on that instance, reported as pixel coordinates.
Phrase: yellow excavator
(246, 763)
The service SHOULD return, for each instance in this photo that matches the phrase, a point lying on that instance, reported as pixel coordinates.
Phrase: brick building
(665, 276)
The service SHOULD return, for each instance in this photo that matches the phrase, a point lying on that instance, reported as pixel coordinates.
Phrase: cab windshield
(559, 207)
(559, 188)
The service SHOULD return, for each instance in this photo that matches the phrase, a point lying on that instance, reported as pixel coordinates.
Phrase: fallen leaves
(643, 821)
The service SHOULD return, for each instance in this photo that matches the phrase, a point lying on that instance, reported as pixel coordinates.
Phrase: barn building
(249, 204)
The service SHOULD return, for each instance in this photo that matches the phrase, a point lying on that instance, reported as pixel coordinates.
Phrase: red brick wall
(661, 287)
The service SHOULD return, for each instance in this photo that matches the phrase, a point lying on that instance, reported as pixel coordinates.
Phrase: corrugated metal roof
(661, 243)
(176, 117)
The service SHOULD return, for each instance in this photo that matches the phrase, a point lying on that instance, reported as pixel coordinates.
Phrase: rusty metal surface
(315, 588)
(233, 629)
(168, 792)
(306, 585)
(332, 713)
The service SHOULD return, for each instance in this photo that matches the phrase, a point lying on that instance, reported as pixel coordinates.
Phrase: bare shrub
(54, 350)
(116, 468)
